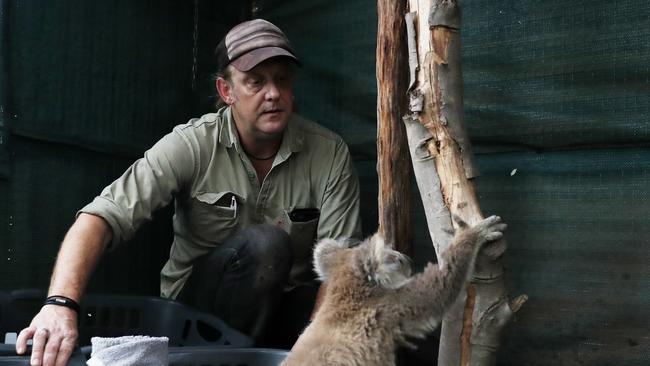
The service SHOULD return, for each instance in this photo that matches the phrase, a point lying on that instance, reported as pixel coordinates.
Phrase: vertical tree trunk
(393, 163)
(442, 161)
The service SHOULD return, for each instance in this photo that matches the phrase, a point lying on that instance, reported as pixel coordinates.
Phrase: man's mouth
(272, 111)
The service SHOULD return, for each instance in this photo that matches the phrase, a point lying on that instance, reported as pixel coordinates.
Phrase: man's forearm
(80, 251)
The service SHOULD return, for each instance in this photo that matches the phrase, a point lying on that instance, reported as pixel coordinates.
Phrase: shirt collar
(228, 131)
(293, 138)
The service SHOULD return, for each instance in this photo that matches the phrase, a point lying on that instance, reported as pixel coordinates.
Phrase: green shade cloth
(557, 90)
(548, 74)
(578, 246)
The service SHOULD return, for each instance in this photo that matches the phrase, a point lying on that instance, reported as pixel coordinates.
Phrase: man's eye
(283, 80)
(254, 82)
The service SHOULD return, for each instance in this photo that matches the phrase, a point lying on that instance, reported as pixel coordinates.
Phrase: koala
(373, 305)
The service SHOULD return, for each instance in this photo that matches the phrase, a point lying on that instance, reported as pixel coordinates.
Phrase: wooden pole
(444, 170)
(393, 162)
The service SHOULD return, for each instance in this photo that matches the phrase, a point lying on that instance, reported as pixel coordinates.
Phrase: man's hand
(54, 334)
(54, 329)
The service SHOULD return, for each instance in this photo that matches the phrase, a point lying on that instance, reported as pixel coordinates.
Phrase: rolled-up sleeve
(148, 184)
(340, 206)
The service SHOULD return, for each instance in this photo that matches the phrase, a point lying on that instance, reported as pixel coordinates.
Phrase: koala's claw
(496, 235)
(500, 227)
(492, 220)
(491, 228)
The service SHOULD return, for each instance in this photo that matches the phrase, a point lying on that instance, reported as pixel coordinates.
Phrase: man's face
(261, 99)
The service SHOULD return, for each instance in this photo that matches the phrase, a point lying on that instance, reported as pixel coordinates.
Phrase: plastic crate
(8, 357)
(207, 356)
(178, 356)
(119, 315)
(12, 317)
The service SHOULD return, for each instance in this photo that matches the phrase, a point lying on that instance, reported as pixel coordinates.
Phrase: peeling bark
(444, 169)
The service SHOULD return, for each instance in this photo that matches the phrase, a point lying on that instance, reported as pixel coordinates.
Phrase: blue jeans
(242, 282)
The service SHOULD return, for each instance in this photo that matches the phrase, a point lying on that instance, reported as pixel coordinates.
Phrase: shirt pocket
(214, 216)
(302, 224)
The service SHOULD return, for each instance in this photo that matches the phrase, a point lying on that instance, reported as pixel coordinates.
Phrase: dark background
(557, 98)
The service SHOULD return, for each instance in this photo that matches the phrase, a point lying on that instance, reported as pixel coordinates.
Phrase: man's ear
(224, 88)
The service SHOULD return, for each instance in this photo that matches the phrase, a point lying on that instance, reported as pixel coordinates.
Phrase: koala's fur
(372, 304)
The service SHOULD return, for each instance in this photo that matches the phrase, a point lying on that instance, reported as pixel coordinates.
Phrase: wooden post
(393, 163)
(442, 161)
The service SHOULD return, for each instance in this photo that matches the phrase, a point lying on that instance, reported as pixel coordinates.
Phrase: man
(253, 187)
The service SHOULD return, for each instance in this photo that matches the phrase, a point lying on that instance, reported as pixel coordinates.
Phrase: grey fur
(373, 305)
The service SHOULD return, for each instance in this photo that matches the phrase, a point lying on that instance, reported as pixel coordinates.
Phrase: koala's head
(372, 261)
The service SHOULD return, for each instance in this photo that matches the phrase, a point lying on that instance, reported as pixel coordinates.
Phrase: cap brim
(251, 59)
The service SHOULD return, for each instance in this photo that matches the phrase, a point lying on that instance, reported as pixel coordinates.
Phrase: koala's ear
(377, 247)
(385, 266)
(325, 256)
(372, 257)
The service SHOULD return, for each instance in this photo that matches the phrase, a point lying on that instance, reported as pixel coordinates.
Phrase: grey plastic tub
(107, 315)
(8, 357)
(178, 356)
(210, 356)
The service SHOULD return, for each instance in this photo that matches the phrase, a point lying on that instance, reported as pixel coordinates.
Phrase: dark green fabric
(110, 76)
(49, 183)
(578, 246)
(4, 91)
(549, 74)
(561, 85)
(4, 150)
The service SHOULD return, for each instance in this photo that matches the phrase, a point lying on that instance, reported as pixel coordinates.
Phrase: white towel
(129, 351)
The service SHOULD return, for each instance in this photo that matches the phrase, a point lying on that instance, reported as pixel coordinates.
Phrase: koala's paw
(490, 229)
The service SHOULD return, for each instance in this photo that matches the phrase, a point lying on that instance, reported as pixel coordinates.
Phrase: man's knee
(269, 238)
(262, 249)
(268, 242)
(256, 246)
(263, 256)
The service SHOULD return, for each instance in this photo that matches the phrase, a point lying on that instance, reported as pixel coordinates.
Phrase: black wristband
(63, 301)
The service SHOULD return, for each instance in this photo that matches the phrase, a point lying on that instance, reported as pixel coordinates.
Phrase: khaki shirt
(201, 166)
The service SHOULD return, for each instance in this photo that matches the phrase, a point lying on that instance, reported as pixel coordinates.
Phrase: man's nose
(272, 91)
